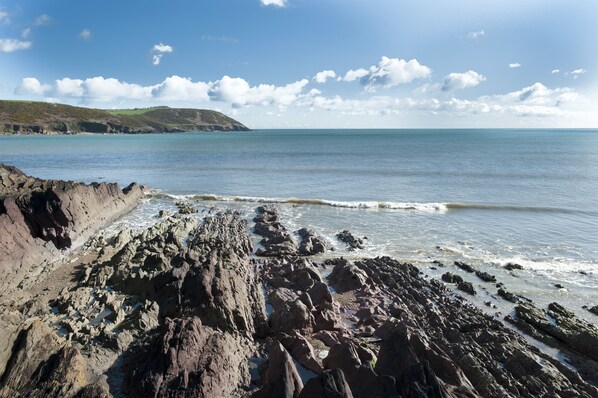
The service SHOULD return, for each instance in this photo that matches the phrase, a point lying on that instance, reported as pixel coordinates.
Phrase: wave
(426, 207)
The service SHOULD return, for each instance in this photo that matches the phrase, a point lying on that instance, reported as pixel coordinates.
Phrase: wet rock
(186, 208)
(508, 296)
(330, 384)
(467, 287)
(276, 241)
(311, 243)
(513, 266)
(280, 377)
(486, 277)
(562, 324)
(351, 241)
(451, 278)
(464, 267)
(594, 310)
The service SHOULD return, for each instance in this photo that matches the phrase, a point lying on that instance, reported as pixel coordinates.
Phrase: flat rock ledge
(185, 308)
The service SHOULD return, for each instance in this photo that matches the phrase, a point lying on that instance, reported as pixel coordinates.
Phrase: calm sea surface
(482, 196)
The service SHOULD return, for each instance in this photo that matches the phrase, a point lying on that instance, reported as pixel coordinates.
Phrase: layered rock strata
(185, 309)
(42, 219)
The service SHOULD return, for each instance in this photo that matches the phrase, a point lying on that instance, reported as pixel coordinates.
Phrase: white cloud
(353, 75)
(42, 20)
(25, 33)
(162, 48)
(159, 51)
(275, 3)
(322, 77)
(514, 65)
(238, 92)
(390, 72)
(577, 72)
(10, 45)
(86, 34)
(176, 88)
(555, 71)
(476, 35)
(458, 81)
(30, 85)
(69, 88)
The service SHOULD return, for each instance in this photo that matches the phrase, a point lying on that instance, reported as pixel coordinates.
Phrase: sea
(486, 197)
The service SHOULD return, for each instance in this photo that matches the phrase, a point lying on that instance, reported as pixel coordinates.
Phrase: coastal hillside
(22, 117)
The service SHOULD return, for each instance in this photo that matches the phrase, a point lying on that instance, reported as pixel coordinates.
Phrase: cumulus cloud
(458, 81)
(353, 75)
(514, 65)
(30, 85)
(476, 35)
(238, 92)
(159, 50)
(390, 72)
(275, 3)
(176, 88)
(322, 77)
(85, 34)
(233, 90)
(42, 20)
(11, 45)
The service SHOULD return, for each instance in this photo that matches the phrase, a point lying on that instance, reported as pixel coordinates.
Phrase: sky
(312, 63)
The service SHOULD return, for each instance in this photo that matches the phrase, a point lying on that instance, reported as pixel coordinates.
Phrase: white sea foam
(412, 206)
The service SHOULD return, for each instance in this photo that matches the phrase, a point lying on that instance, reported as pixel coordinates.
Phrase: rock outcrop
(183, 308)
(40, 219)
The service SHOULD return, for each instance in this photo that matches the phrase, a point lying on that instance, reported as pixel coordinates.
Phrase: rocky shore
(192, 307)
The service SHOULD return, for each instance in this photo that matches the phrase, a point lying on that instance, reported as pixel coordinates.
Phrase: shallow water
(486, 197)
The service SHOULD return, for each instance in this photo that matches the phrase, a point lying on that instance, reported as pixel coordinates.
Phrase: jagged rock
(186, 356)
(513, 266)
(41, 365)
(345, 277)
(486, 277)
(276, 241)
(330, 384)
(311, 243)
(451, 278)
(63, 214)
(186, 208)
(467, 287)
(508, 296)
(351, 241)
(594, 310)
(301, 350)
(293, 315)
(280, 377)
(464, 267)
(563, 325)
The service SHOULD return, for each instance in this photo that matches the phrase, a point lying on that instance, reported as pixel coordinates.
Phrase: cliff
(21, 117)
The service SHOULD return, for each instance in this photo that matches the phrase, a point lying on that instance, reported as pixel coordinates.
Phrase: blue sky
(309, 63)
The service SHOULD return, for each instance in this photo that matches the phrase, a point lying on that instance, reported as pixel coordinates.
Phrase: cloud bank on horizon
(273, 70)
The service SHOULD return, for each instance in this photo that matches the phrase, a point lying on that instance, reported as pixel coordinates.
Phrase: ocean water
(486, 197)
